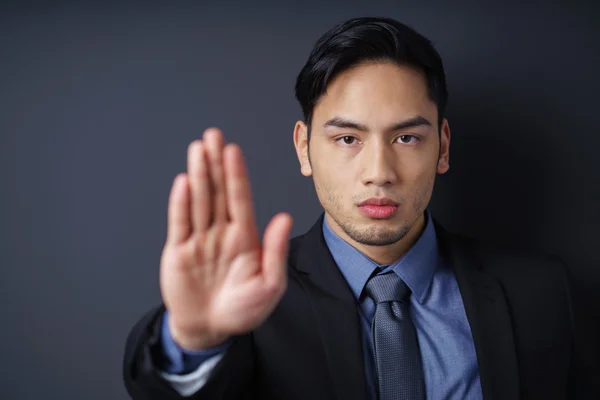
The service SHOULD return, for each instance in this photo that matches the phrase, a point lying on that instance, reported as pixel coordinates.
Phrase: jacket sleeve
(230, 379)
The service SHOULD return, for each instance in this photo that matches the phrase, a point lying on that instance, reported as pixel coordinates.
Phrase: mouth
(378, 208)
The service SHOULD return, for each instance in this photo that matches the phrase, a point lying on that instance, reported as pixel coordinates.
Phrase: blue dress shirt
(436, 307)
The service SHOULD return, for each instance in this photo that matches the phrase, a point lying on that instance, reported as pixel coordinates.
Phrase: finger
(179, 225)
(213, 140)
(239, 196)
(199, 186)
(275, 249)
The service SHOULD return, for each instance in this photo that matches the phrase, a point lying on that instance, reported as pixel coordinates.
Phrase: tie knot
(387, 287)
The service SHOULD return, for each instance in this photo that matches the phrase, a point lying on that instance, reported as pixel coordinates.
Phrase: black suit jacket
(519, 307)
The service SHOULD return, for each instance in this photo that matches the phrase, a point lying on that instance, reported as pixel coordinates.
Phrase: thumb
(275, 249)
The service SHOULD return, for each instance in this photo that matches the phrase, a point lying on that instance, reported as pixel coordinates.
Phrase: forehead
(376, 93)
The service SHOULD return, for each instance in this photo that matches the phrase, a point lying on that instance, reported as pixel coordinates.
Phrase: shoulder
(513, 264)
(536, 288)
(532, 281)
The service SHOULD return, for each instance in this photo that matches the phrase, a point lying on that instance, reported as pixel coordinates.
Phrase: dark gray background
(98, 104)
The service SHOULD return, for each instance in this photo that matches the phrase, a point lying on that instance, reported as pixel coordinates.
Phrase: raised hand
(216, 278)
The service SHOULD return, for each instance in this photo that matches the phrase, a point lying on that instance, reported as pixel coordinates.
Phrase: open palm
(216, 278)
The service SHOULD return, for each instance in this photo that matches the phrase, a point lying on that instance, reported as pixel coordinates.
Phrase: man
(377, 300)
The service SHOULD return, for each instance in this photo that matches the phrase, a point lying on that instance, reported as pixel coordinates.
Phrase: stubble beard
(375, 235)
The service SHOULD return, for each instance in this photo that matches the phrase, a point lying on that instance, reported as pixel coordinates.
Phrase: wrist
(194, 341)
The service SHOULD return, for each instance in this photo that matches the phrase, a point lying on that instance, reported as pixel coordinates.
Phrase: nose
(379, 161)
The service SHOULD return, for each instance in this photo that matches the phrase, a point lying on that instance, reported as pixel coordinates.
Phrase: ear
(301, 144)
(444, 160)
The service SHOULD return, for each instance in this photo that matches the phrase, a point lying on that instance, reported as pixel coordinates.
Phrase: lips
(381, 201)
(378, 208)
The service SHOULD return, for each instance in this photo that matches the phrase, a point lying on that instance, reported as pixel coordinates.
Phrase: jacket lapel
(489, 318)
(336, 313)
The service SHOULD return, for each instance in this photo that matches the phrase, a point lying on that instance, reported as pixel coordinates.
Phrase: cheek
(423, 191)
(331, 171)
(332, 188)
(423, 164)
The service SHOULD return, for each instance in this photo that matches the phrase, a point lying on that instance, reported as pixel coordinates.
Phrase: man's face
(374, 135)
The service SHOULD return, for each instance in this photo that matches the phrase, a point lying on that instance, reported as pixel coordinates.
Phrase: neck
(383, 255)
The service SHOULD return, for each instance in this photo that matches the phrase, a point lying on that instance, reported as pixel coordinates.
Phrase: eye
(406, 138)
(347, 140)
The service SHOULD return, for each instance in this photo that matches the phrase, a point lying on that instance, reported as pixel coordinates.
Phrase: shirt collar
(416, 267)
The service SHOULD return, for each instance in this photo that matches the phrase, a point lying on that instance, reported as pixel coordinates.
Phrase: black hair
(369, 39)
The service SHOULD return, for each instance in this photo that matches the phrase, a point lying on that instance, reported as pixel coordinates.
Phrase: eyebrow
(338, 122)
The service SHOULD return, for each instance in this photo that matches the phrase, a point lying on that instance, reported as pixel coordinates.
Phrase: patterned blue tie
(397, 357)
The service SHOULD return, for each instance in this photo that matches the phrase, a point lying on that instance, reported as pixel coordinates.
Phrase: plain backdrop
(98, 103)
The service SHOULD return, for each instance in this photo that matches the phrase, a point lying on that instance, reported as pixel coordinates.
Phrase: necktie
(397, 357)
